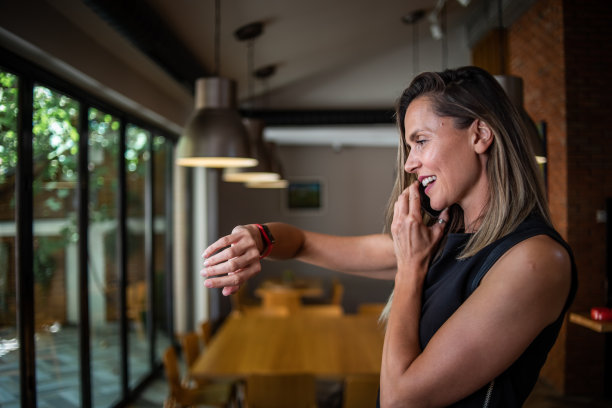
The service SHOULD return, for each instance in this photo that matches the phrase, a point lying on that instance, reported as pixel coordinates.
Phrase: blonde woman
(481, 291)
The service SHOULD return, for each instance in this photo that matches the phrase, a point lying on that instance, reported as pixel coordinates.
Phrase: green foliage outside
(55, 157)
(8, 124)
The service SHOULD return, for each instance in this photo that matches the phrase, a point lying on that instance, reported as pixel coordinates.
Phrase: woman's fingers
(231, 260)
(219, 245)
(230, 253)
(406, 207)
(414, 200)
(230, 290)
(440, 225)
(233, 279)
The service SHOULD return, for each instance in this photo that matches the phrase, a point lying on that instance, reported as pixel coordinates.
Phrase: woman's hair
(516, 187)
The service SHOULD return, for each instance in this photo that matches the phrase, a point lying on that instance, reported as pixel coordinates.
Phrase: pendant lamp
(214, 136)
(263, 171)
(277, 167)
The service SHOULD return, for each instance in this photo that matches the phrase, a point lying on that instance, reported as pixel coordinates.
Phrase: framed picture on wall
(305, 196)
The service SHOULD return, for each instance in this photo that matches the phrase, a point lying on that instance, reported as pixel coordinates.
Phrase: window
(9, 342)
(100, 181)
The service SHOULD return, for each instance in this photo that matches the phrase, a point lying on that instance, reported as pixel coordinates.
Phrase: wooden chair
(337, 292)
(205, 332)
(242, 302)
(360, 391)
(279, 311)
(191, 347)
(280, 298)
(281, 391)
(321, 310)
(370, 308)
(136, 298)
(213, 394)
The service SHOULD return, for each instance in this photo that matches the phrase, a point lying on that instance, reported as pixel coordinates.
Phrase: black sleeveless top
(449, 282)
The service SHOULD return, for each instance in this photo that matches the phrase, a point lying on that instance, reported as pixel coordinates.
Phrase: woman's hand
(413, 241)
(233, 259)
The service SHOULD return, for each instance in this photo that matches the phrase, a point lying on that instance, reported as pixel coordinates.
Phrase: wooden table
(584, 319)
(327, 347)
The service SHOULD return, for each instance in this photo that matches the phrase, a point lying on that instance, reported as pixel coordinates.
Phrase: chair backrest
(280, 298)
(277, 311)
(281, 391)
(191, 347)
(242, 300)
(360, 391)
(321, 310)
(370, 308)
(136, 298)
(205, 332)
(337, 293)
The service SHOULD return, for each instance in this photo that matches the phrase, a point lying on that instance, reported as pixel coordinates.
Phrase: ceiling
(328, 54)
(336, 61)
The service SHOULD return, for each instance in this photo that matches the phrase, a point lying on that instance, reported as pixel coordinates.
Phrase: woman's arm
(238, 254)
(522, 293)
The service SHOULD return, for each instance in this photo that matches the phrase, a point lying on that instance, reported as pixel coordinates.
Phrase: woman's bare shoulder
(540, 267)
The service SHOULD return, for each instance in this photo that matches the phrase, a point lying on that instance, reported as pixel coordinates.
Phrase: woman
(481, 291)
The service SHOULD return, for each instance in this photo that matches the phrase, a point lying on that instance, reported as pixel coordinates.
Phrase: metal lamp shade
(214, 135)
(277, 168)
(264, 171)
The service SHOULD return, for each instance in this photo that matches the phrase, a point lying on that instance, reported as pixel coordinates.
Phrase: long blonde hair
(516, 185)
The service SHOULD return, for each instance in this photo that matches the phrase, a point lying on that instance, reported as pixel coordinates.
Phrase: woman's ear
(482, 136)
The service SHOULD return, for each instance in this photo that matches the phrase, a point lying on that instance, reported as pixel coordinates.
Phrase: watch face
(268, 233)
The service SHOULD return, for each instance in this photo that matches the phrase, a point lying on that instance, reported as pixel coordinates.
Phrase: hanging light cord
(250, 68)
(217, 37)
(415, 49)
(444, 38)
(500, 16)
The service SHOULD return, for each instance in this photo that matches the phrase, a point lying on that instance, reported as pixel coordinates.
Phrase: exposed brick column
(562, 50)
(537, 56)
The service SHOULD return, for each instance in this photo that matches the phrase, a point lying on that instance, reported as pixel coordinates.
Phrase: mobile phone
(425, 206)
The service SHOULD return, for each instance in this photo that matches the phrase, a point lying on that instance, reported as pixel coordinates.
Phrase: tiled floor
(57, 367)
(153, 396)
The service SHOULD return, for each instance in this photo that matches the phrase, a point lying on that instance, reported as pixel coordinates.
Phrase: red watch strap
(267, 242)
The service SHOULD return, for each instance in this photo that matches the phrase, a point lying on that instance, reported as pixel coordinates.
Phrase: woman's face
(443, 158)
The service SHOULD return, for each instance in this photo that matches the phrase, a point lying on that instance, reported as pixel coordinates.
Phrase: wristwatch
(266, 237)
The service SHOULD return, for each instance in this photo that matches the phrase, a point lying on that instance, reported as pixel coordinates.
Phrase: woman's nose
(411, 164)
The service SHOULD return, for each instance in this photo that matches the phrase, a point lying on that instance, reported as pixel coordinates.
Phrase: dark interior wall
(588, 63)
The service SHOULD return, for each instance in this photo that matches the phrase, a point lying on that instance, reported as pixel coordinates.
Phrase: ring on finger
(441, 221)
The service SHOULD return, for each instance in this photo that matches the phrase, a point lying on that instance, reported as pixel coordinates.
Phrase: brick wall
(562, 50)
(537, 55)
